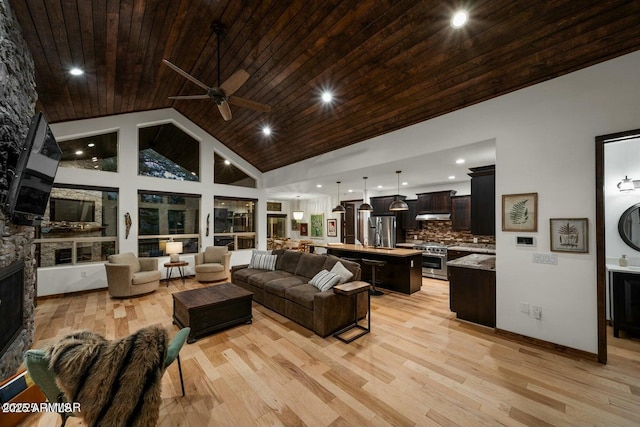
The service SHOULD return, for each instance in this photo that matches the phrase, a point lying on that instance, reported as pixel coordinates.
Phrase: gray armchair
(212, 264)
(128, 275)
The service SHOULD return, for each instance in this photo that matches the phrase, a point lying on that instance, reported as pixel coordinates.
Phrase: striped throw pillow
(325, 280)
(263, 261)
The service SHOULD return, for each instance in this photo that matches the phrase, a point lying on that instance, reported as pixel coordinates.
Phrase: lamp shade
(398, 204)
(297, 215)
(365, 207)
(339, 207)
(173, 249)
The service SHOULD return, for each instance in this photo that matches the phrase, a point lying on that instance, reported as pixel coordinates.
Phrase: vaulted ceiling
(390, 63)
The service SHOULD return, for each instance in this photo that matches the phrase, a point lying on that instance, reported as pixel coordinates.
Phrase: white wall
(55, 280)
(545, 143)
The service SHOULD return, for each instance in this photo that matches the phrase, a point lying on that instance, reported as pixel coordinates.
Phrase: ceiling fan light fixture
(398, 205)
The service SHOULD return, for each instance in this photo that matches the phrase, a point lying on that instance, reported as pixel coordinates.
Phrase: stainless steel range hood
(433, 217)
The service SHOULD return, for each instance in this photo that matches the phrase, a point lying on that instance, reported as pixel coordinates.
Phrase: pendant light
(298, 214)
(398, 205)
(339, 208)
(365, 207)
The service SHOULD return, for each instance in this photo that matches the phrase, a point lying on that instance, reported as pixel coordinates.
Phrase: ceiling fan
(222, 94)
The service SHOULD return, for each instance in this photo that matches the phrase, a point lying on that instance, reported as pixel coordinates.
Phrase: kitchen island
(472, 288)
(401, 273)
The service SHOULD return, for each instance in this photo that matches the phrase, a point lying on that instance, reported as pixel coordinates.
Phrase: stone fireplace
(17, 106)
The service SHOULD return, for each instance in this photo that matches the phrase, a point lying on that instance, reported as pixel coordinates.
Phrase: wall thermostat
(529, 241)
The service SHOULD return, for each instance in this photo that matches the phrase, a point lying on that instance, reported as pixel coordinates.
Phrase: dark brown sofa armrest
(238, 267)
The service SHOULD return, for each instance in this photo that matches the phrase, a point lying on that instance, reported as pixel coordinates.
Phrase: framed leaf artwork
(569, 234)
(520, 212)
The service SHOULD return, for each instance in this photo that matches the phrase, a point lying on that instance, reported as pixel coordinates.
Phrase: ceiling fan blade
(225, 111)
(241, 102)
(179, 97)
(234, 82)
(185, 74)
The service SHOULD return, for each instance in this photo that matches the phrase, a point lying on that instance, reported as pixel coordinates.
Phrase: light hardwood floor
(419, 366)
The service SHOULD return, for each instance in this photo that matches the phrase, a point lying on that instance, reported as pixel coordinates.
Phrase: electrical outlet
(550, 259)
(475, 240)
(83, 274)
(524, 307)
(537, 311)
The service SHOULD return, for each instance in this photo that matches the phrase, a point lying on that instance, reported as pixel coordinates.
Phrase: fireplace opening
(11, 303)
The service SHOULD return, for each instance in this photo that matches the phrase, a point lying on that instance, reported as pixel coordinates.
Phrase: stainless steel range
(434, 260)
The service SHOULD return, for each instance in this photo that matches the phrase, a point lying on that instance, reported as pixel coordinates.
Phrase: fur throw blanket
(117, 383)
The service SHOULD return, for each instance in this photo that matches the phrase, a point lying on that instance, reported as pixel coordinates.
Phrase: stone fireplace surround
(17, 107)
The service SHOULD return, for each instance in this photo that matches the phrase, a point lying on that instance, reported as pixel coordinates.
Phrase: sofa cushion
(310, 265)
(126, 258)
(288, 261)
(279, 287)
(325, 280)
(214, 254)
(302, 294)
(341, 270)
(259, 280)
(243, 274)
(263, 261)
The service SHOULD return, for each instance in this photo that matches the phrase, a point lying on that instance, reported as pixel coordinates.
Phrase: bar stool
(374, 263)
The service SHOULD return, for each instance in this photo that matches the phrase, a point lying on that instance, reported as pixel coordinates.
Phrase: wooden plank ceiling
(391, 63)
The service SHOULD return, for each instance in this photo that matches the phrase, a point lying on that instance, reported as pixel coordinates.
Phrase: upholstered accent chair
(212, 264)
(128, 275)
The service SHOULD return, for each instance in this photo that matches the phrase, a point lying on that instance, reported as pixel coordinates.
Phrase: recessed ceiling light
(94, 159)
(75, 71)
(319, 186)
(379, 186)
(79, 152)
(91, 144)
(460, 161)
(327, 97)
(350, 191)
(459, 19)
(227, 162)
(405, 183)
(266, 130)
(452, 177)
(193, 173)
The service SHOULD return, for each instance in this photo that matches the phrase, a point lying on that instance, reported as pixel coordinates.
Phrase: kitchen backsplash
(440, 231)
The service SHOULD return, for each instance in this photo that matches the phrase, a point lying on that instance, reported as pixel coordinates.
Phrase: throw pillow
(324, 280)
(263, 261)
(342, 271)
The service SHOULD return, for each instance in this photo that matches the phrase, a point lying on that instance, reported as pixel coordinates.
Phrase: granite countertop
(476, 261)
(398, 252)
(474, 247)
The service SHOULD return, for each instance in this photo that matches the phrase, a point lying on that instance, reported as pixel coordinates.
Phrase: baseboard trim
(547, 345)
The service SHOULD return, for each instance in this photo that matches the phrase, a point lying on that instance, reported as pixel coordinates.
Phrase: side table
(180, 265)
(353, 289)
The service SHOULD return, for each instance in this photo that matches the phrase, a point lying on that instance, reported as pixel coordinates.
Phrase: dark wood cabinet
(435, 202)
(483, 200)
(461, 213)
(381, 205)
(472, 295)
(626, 303)
(409, 217)
(455, 254)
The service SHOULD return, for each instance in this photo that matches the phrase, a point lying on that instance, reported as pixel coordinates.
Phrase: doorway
(276, 226)
(601, 247)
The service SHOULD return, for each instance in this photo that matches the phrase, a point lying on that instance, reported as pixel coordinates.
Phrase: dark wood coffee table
(211, 309)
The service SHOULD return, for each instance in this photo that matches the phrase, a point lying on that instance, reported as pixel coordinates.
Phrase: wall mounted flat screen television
(72, 210)
(34, 174)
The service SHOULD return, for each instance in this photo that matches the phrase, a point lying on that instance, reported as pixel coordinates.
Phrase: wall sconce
(627, 184)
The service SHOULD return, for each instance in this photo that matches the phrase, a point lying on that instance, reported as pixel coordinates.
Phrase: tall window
(225, 172)
(80, 225)
(167, 216)
(234, 223)
(166, 151)
(97, 152)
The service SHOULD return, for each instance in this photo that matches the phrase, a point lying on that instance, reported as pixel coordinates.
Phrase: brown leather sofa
(286, 290)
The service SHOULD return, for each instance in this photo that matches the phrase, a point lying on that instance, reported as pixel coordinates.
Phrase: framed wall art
(304, 229)
(274, 206)
(332, 227)
(295, 225)
(520, 212)
(569, 234)
(317, 225)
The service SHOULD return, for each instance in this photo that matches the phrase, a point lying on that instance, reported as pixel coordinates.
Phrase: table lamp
(174, 249)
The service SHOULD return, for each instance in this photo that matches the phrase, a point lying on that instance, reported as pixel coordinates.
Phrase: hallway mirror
(629, 226)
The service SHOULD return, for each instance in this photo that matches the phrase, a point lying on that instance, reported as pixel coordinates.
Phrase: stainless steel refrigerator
(382, 231)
